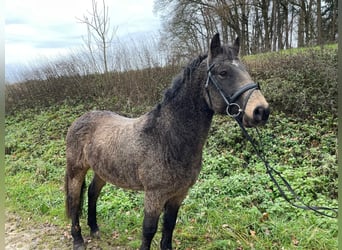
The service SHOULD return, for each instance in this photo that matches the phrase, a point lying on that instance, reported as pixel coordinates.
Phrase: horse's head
(230, 89)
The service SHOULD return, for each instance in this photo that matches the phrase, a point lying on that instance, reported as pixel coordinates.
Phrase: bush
(301, 83)
(117, 90)
(232, 206)
(298, 82)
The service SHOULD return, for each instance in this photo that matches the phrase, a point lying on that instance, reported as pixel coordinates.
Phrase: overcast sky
(39, 28)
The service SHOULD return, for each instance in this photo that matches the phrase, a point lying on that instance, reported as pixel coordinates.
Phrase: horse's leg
(93, 194)
(152, 209)
(169, 221)
(75, 183)
(150, 225)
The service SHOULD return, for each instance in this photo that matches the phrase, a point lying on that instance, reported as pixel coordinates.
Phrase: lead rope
(269, 170)
(273, 173)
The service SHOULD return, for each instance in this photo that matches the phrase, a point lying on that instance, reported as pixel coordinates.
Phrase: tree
(99, 34)
(262, 25)
(329, 20)
(319, 22)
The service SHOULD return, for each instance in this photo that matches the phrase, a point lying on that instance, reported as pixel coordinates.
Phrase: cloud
(39, 28)
(14, 20)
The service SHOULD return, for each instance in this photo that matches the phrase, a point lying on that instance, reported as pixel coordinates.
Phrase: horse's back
(107, 142)
(94, 121)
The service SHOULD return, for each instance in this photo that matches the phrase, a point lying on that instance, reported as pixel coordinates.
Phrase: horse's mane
(180, 79)
(171, 93)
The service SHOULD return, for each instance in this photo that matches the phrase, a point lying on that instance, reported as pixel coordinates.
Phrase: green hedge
(298, 82)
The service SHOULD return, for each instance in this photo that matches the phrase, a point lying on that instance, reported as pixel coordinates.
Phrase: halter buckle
(233, 110)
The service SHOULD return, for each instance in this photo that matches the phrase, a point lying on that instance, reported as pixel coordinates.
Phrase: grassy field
(232, 206)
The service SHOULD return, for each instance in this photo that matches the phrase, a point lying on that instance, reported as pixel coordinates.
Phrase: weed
(233, 204)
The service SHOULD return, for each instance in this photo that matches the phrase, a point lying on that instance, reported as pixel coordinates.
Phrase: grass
(233, 205)
(291, 51)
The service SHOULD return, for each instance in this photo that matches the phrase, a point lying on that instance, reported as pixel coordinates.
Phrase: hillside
(294, 81)
(233, 205)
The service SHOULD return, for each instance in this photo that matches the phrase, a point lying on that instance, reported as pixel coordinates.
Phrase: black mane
(181, 78)
(174, 92)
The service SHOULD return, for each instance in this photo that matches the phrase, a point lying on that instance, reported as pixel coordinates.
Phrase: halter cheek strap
(233, 109)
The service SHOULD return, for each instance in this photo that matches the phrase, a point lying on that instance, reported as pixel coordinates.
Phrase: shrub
(117, 90)
(299, 83)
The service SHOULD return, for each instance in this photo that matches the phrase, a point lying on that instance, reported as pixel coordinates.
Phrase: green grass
(233, 205)
(291, 51)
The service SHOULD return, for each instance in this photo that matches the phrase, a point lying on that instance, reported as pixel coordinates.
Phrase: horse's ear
(236, 45)
(215, 46)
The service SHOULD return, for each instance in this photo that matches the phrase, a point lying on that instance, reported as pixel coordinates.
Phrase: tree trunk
(301, 24)
(287, 28)
(280, 25)
(264, 12)
(319, 24)
(334, 22)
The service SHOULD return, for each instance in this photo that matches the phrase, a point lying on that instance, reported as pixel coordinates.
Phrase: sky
(40, 28)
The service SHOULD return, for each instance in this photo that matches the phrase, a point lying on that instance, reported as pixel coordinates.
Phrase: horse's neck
(189, 115)
(183, 114)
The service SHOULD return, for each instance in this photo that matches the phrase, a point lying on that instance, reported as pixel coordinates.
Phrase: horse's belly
(119, 168)
(125, 181)
(121, 176)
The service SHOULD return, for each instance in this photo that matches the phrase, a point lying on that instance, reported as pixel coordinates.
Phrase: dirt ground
(21, 234)
(24, 234)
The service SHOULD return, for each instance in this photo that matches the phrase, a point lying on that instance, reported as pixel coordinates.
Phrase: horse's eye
(223, 73)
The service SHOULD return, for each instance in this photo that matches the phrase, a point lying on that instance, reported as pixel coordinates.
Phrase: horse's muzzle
(261, 114)
(260, 117)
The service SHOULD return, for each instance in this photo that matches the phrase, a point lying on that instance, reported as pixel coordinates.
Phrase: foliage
(298, 82)
(137, 74)
(130, 88)
(232, 206)
(262, 26)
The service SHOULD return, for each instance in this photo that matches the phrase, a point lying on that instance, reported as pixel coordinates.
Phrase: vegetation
(298, 81)
(267, 25)
(100, 35)
(294, 82)
(233, 205)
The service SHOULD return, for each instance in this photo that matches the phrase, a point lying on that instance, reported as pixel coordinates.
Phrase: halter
(233, 109)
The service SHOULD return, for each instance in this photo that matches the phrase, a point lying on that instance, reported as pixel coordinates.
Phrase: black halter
(233, 109)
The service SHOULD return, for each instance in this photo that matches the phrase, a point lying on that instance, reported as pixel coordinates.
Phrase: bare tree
(99, 33)
(319, 22)
(262, 25)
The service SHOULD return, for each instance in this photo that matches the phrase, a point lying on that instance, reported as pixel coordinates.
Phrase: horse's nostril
(261, 113)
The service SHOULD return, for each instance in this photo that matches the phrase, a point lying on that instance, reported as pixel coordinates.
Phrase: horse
(159, 152)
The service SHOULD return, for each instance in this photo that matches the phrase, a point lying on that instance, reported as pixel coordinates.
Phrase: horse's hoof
(95, 235)
(79, 246)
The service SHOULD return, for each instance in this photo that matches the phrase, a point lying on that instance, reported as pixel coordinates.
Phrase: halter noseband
(233, 109)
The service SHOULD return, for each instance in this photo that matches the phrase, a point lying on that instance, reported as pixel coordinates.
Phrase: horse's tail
(76, 170)
(69, 199)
